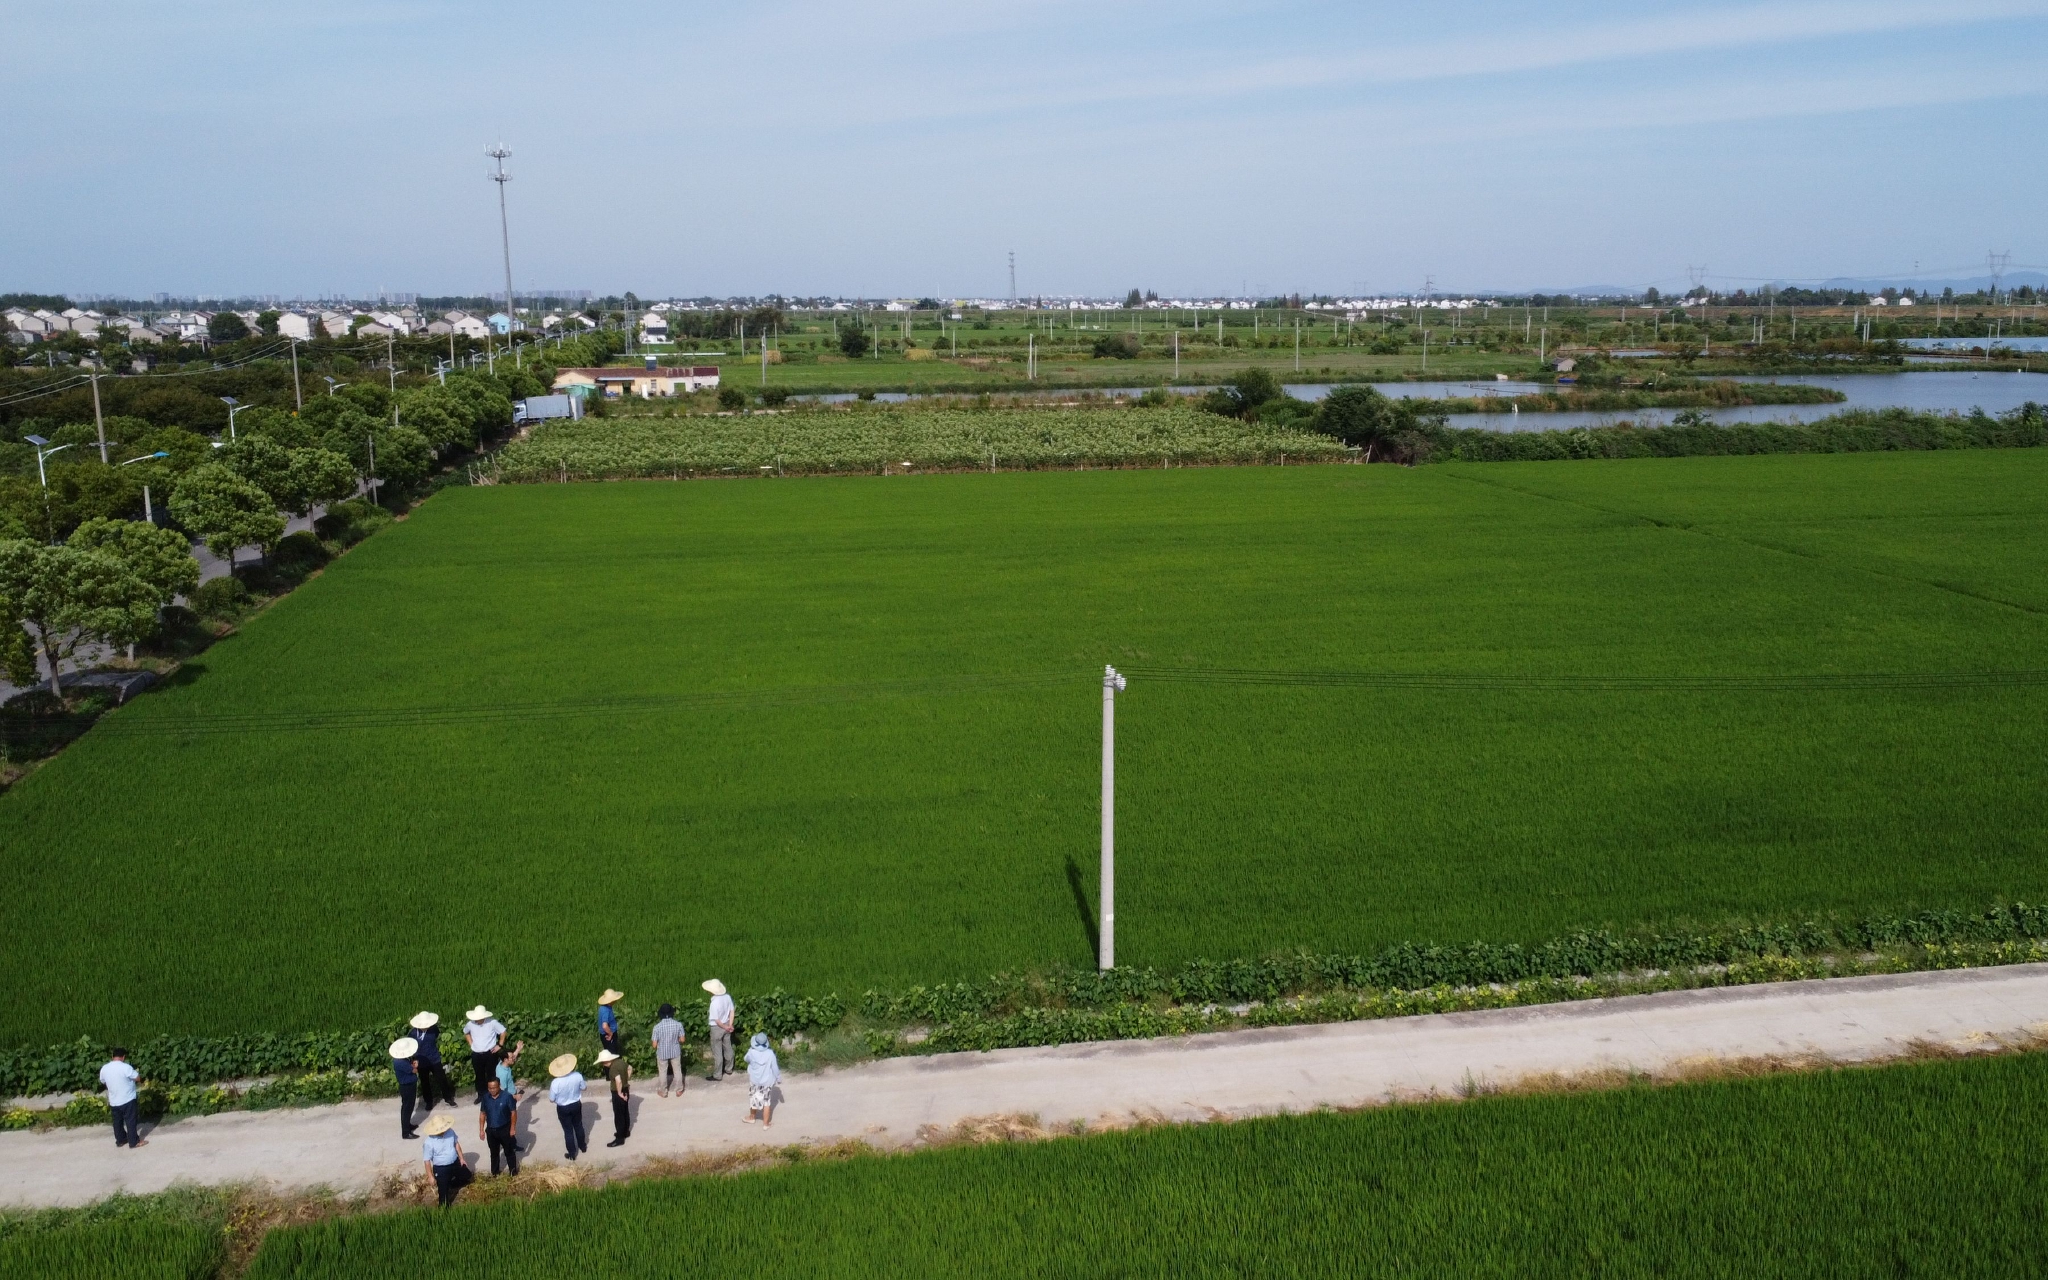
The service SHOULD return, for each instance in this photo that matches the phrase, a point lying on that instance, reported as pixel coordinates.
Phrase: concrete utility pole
(1111, 684)
(98, 422)
(1013, 277)
(499, 154)
(298, 396)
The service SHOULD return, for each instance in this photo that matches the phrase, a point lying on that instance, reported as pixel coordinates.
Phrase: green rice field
(834, 733)
(1922, 1170)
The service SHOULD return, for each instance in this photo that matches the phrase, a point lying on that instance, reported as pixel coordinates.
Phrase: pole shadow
(1085, 909)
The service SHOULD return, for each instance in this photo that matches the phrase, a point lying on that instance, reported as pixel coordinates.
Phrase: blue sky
(894, 148)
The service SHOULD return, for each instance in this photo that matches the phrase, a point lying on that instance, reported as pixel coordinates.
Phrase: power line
(1761, 682)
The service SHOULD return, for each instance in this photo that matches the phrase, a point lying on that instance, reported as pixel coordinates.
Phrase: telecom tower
(1013, 277)
(500, 154)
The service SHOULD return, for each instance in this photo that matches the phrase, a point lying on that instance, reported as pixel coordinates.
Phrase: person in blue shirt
(497, 1125)
(405, 1053)
(427, 1030)
(442, 1154)
(608, 1020)
(566, 1092)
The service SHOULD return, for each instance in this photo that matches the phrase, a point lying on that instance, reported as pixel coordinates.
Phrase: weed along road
(902, 1101)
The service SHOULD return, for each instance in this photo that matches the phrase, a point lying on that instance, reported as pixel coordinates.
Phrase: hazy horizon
(885, 150)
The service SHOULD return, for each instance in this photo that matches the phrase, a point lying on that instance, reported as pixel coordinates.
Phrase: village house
(647, 382)
(460, 323)
(295, 324)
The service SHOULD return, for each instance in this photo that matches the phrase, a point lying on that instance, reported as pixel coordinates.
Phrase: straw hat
(423, 1019)
(439, 1124)
(404, 1047)
(478, 1014)
(606, 1055)
(562, 1066)
(714, 986)
(611, 995)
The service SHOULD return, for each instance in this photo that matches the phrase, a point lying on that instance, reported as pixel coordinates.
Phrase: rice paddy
(1926, 1169)
(839, 733)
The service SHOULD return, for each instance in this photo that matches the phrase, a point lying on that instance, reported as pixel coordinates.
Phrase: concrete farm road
(1222, 1075)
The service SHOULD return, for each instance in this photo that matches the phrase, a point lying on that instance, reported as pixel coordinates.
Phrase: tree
(261, 461)
(853, 340)
(316, 476)
(1242, 395)
(730, 398)
(1135, 298)
(1358, 416)
(68, 596)
(226, 326)
(160, 557)
(267, 322)
(1118, 346)
(225, 511)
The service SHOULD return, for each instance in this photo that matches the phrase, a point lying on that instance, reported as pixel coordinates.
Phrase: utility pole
(1297, 347)
(499, 154)
(1013, 277)
(391, 360)
(298, 396)
(98, 422)
(1106, 941)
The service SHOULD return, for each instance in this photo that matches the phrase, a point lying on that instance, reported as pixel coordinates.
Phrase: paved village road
(1227, 1074)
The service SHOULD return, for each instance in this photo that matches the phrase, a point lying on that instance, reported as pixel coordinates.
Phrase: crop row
(1076, 1005)
(874, 440)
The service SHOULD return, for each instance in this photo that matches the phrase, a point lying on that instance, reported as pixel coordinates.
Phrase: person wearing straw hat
(442, 1152)
(764, 1076)
(485, 1034)
(426, 1027)
(497, 1126)
(566, 1092)
(720, 1020)
(668, 1038)
(618, 1073)
(405, 1064)
(608, 1019)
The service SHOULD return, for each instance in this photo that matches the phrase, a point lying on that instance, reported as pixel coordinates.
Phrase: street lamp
(1112, 683)
(42, 453)
(49, 522)
(234, 406)
(149, 515)
(332, 385)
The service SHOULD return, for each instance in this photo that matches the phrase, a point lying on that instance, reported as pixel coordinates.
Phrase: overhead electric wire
(1759, 681)
(341, 719)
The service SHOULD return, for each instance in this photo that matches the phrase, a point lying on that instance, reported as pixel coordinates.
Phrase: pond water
(1994, 392)
(1975, 344)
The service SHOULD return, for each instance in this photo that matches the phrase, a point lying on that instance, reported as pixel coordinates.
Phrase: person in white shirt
(720, 1019)
(566, 1092)
(123, 1083)
(486, 1036)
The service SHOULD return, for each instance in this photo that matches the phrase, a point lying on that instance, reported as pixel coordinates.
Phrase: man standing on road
(567, 1094)
(721, 1029)
(497, 1125)
(618, 1073)
(405, 1054)
(441, 1151)
(668, 1041)
(484, 1033)
(432, 1073)
(122, 1085)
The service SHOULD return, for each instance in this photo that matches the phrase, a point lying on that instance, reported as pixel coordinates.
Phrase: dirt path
(1238, 1073)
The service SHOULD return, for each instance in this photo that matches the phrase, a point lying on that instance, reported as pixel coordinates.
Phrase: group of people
(421, 1073)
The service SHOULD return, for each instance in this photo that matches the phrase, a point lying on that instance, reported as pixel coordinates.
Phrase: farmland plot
(835, 733)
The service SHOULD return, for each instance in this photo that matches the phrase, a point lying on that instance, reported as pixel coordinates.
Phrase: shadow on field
(1085, 908)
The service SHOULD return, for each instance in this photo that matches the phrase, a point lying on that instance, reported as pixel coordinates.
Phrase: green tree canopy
(1242, 395)
(160, 557)
(67, 596)
(225, 511)
(226, 326)
(853, 339)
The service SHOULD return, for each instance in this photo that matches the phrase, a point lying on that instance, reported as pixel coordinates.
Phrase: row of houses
(25, 326)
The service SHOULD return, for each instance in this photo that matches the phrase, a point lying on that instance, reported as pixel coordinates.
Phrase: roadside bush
(222, 599)
(1118, 346)
(774, 397)
(731, 398)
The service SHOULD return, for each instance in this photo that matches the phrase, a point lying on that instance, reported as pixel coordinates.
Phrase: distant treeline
(1852, 431)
